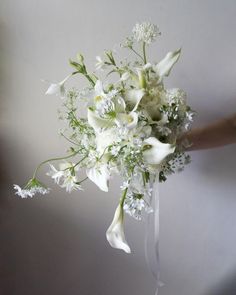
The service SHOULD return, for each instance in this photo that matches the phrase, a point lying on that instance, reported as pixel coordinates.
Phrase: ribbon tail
(154, 228)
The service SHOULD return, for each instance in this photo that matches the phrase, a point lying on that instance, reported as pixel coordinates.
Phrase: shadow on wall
(225, 287)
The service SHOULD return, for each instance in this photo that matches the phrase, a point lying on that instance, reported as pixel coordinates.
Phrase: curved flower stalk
(115, 233)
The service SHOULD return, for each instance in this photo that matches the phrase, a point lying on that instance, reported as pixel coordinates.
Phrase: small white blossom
(70, 184)
(55, 174)
(23, 193)
(189, 116)
(145, 32)
(134, 206)
(125, 185)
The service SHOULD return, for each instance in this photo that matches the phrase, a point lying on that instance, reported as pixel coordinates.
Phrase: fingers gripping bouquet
(130, 128)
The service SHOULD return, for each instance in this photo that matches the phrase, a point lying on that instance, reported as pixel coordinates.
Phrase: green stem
(139, 55)
(79, 182)
(80, 160)
(50, 160)
(144, 53)
(123, 197)
(69, 139)
(90, 79)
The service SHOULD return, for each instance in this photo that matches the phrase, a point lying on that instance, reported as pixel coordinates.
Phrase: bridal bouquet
(130, 128)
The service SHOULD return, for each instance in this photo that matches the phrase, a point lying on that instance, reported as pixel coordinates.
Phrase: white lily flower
(70, 183)
(157, 151)
(115, 233)
(164, 67)
(134, 96)
(55, 174)
(100, 176)
(57, 88)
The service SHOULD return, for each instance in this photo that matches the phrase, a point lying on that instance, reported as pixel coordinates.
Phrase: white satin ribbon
(153, 228)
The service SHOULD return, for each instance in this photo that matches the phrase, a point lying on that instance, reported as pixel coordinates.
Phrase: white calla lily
(57, 88)
(156, 151)
(100, 175)
(164, 67)
(130, 120)
(134, 96)
(115, 233)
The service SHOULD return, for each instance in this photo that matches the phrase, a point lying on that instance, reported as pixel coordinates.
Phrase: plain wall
(56, 244)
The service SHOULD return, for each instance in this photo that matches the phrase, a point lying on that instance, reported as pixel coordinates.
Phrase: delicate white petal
(106, 138)
(164, 67)
(157, 151)
(125, 76)
(100, 176)
(97, 122)
(120, 105)
(147, 66)
(99, 87)
(115, 233)
(58, 88)
(53, 89)
(134, 97)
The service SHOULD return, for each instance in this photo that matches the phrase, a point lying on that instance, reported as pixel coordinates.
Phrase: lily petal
(97, 122)
(57, 88)
(134, 97)
(100, 176)
(157, 151)
(106, 138)
(120, 105)
(115, 233)
(164, 67)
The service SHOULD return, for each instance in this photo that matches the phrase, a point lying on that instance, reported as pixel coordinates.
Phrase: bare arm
(217, 134)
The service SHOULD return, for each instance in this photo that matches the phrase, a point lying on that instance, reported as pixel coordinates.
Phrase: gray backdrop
(56, 244)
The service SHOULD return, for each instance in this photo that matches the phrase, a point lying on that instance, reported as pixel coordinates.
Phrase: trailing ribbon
(153, 227)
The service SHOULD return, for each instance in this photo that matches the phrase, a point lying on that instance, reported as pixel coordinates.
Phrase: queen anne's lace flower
(32, 187)
(145, 32)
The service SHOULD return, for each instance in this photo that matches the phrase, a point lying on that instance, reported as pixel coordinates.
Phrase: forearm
(218, 134)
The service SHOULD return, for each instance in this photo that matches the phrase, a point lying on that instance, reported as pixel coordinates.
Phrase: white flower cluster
(128, 125)
(145, 32)
(33, 187)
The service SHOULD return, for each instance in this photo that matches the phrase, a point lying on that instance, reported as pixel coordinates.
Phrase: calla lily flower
(130, 120)
(100, 176)
(57, 88)
(156, 151)
(164, 67)
(134, 96)
(115, 233)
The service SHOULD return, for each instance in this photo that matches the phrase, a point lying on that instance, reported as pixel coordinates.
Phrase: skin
(217, 134)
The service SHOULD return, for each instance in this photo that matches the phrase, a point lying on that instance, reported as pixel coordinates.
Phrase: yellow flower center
(97, 98)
